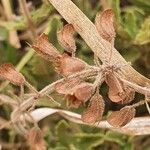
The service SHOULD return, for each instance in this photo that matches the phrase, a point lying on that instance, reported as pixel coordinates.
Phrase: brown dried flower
(105, 24)
(35, 139)
(45, 49)
(122, 117)
(75, 91)
(8, 72)
(81, 93)
(67, 87)
(95, 111)
(69, 65)
(118, 93)
(66, 38)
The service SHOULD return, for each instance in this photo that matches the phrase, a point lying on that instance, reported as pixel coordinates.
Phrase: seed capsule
(95, 111)
(69, 65)
(45, 49)
(122, 117)
(8, 72)
(66, 38)
(105, 24)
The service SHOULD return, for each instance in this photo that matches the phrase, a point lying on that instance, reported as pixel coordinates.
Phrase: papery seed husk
(105, 24)
(35, 139)
(115, 88)
(127, 96)
(95, 111)
(84, 91)
(70, 65)
(45, 49)
(66, 38)
(122, 117)
(67, 87)
(8, 72)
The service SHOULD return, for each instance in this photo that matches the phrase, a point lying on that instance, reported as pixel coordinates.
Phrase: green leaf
(143, 36)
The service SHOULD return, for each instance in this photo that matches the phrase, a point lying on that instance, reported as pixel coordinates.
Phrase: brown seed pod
(45, 49)
(105, 24)
(8, 72)
(127, 96)
(84, 91)
(122, 117)
(68, 86)
(35, 139)
(66, 39)
(118, 93)
(69, 65)
(115, 88)
(95, 111)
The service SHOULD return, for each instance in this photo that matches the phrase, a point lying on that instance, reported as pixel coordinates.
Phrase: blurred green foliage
(132, 41)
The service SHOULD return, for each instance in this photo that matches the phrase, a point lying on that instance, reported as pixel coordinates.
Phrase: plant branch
(138, 126)
(99, 46)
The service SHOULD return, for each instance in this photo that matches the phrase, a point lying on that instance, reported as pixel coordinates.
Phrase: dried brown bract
(69, 65)
(84, 91)
(35, 139)
(80, 94)
(76, 91)
(95, 111)
(66, 38)
(8, 72)
(122, 117)
(118, 93)
(67, 87)
(45, 49)
(105, 24)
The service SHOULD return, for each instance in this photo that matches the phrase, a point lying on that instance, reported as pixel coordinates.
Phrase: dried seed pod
(105, 24)
(127, 96)
(45, 49)
(35, 139)
(122, 117)
(95, 111)
(115, 88)
(66, 39)
(8, 72)
(69, 65)
(67, 87)
(84, 91)
(118, 93)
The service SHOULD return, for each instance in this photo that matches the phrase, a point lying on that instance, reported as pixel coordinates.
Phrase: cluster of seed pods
(75, 90)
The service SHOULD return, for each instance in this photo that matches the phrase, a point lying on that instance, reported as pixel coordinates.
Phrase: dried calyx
(8, 72)
(95, 110)
(105, 25)
(66, 39)
(122, 117)
(64, 64)
(45, 49)
(36, 139)
(69, 65)
(77, 92)
(118, 92)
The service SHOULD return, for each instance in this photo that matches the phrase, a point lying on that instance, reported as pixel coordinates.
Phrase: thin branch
(15, 115)
(26, 13)
(99, 46)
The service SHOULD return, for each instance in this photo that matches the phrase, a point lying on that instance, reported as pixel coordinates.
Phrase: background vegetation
(132, 41)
